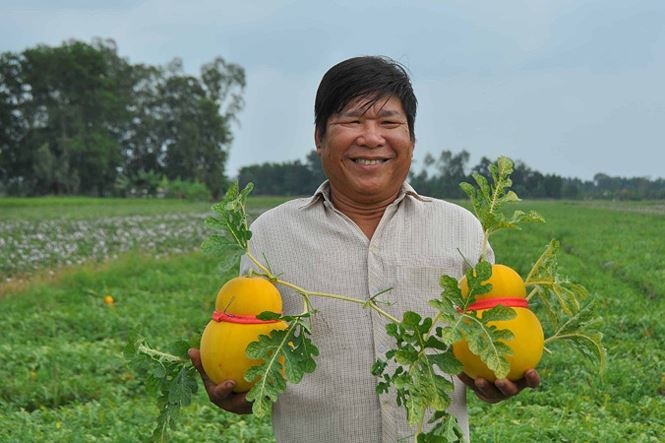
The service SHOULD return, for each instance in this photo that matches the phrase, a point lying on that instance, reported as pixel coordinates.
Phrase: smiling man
(366, 152)
(365, 230)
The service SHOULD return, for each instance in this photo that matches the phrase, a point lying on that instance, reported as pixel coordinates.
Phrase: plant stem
(307, 293)
(159, 355)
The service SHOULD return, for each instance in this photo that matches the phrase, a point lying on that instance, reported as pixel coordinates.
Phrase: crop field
(65, 377)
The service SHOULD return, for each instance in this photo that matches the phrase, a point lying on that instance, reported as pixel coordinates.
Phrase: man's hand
(501, 389)
(221, 394)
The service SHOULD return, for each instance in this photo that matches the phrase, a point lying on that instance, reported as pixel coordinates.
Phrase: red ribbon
(509, 302)
(219, 316)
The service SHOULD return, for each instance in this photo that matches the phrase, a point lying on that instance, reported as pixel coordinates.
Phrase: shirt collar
(322, 194)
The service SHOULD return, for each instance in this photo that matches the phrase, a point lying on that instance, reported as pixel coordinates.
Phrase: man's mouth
(367, 161)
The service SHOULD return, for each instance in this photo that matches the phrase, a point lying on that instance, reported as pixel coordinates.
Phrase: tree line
(440, 177)
(80, 119)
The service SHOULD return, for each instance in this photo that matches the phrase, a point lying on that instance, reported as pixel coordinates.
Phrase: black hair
(371, 77)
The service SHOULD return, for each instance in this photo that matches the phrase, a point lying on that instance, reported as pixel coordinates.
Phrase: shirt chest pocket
(414, 287)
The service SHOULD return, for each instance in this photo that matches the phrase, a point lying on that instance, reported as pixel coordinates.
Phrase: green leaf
(182, 387)
(173, 378)
(558, 294)
(231, 219)
(488, 199)
(286, 355)
(582, 331)
(446, 361)
(565, 309)
(417, 359)
(446, 430)
(487, 341)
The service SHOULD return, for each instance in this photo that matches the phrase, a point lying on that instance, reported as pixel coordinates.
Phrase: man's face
(366, 152)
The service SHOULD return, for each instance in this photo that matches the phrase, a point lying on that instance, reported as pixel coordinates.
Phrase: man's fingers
(195, 356)
(487, 391)
(532, 378)
(507, 387)
(500, 389)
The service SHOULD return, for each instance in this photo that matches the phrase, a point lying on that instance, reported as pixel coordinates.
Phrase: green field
(65, 378)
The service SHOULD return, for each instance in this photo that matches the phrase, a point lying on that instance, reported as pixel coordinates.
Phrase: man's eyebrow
(357, 112)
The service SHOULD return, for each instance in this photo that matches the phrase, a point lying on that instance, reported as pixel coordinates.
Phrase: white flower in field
(27, 246)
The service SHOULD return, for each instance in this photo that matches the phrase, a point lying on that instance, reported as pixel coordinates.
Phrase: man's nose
(371, 135)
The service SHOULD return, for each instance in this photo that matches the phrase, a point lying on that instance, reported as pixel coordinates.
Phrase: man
(364, 230)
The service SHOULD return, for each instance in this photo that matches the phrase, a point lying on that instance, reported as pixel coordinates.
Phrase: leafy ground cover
(65, 377)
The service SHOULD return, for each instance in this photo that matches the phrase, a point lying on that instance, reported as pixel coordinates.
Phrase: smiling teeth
(363, 161)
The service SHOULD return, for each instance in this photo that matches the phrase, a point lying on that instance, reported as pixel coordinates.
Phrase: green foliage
(440, 177)
(287, 356)
(230, 220)
(422, 357)
(65, 378)
(184, 189)
(172, 378)
(418, 385)
(288, 178)
(488, 200)
(79, 119)
(484, 340)
(566, 311)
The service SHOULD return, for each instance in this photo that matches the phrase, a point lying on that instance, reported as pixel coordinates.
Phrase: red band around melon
(509, 302)
(241, 319)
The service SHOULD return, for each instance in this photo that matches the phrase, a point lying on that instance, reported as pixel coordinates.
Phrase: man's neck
(366, 215)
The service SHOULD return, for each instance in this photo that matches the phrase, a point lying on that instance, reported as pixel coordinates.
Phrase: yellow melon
(234, 326)
(527, 343)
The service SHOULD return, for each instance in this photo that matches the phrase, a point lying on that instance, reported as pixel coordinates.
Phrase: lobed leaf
(488, 200)
(286, 355)
(415, 373)
(172, 377)
(488, 341)
(582, 330)
(231, 219)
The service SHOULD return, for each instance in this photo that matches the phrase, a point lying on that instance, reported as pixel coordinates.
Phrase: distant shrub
(150, 184)
(184, 189)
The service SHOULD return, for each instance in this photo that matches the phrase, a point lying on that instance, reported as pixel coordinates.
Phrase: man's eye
(390, 123)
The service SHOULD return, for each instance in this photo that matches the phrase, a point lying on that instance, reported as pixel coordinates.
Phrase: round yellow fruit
(234, 326)
(526, 345)
(223, 347)
(528, 339)
(505, 281)
(248, 296)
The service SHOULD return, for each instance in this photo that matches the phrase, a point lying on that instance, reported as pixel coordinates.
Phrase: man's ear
(317, 140)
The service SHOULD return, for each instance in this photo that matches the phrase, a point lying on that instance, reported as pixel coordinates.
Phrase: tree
(288, 178)
(313, 162)
(87, 112)
(196, 122)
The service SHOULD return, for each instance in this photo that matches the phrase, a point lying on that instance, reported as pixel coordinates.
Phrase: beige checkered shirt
(309, 243)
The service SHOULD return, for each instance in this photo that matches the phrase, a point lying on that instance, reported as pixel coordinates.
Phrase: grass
(65, 378)
(614, 253)
(81, 208)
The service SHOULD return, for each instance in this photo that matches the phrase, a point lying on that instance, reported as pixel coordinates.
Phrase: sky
(568, 87)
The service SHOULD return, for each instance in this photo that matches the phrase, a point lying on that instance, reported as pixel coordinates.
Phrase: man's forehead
(381, 105)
